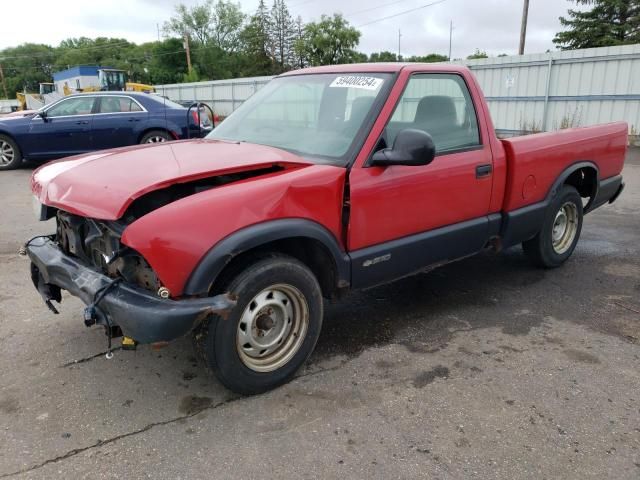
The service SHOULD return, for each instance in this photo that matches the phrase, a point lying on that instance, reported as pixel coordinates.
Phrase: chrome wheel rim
(565, 227)
(272, 328)
(156, 139)
(7, 153)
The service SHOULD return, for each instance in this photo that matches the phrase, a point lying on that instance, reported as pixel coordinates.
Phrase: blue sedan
(94, 121)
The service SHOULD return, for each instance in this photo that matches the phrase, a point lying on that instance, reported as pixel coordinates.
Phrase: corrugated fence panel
(562, 89)
(525, 93)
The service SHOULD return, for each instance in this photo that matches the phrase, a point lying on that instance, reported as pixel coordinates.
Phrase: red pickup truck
(327, 179)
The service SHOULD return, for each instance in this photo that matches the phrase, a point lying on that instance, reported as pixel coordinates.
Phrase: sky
(489, 25)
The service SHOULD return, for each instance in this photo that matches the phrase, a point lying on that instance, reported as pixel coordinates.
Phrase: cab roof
(109, 92)
(391, 67)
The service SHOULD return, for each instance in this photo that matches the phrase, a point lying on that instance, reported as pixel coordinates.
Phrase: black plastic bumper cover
(141, 315)
(608, 191)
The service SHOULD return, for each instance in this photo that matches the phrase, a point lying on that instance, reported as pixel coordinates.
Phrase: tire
(10, 154)
(560, 232)
(270, 332)
(156, 136)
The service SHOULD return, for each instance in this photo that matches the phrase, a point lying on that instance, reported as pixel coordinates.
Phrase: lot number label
(356, 81)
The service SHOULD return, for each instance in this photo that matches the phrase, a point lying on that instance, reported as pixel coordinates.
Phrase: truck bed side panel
(534, 162)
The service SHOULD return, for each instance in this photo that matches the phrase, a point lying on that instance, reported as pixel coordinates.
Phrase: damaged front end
(120, 289)
(97, 244)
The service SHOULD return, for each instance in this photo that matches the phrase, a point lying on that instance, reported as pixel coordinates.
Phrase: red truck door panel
(405, 217)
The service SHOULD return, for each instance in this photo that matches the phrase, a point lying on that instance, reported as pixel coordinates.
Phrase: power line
(400, 13)
(374, 8)
(300, 3)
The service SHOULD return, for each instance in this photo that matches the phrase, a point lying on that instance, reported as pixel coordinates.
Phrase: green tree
(429, 58)
(300, 59)
(258, 44)
(167, 61)
(214, 29)
(227, 21)
(329, 42)
(192, 76)
(478, 54)
(359, 57)
(26, 66)
(609, 22)
(383, 57)
(193, 21)
(283, 35)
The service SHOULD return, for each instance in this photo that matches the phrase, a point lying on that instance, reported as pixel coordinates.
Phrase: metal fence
(527, 93)
(562, 89)
(223, 96)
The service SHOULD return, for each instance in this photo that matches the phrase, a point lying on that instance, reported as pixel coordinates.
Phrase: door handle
(134, 119)
(82, 122)
(483, 170)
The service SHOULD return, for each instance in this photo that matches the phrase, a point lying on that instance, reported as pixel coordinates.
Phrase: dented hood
(103, 184)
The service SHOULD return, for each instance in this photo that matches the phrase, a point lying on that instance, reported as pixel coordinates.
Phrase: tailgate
(534, 162)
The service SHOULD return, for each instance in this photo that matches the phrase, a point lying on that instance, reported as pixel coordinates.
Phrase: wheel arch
(151, 129)
(525, 223)
(303, 239)
(584, 176)
(12, 137)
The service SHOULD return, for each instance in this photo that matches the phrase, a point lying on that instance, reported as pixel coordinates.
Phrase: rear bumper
(140, 314)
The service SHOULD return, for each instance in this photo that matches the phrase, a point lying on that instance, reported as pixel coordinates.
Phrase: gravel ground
(485, 368)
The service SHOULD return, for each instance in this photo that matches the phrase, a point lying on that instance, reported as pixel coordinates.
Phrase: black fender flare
(524, 223)
(566, 173)
(214, 261)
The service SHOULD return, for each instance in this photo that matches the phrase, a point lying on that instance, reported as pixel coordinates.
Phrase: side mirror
(411, 147)
(43, 115)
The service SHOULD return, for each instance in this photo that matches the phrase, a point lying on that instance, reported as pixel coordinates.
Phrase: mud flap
(47, 291)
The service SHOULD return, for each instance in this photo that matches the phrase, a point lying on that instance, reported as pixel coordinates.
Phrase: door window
(440, 105)
(109, 104)
(72, 106)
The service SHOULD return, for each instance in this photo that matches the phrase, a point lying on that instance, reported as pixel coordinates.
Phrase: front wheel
(271, 331)
(155, 136)
(560, 231)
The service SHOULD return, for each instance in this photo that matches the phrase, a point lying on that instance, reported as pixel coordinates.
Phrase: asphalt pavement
(484, 368)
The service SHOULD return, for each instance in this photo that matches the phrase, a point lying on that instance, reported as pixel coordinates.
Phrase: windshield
(316, 116)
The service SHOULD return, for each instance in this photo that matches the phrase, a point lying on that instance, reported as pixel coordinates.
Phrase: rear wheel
(155, 136)
(560, 232)
(10, 155)
(271, 331)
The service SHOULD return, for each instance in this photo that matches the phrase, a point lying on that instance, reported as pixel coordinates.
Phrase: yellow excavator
(111, 79)
(45, 88)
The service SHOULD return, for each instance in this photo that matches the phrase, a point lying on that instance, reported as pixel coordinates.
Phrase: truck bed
(534, 162)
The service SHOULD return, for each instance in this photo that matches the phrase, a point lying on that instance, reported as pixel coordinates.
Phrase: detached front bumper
(140, 314)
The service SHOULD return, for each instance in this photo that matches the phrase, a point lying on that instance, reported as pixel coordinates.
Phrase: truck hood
(102, 185)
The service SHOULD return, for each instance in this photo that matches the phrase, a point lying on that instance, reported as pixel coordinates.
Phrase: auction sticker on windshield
(357, 81)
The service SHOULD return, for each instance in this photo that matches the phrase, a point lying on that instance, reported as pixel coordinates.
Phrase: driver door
(66, 129)
(404, 218)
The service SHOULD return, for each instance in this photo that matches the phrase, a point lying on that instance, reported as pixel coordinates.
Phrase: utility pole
(186, 47)
(523, 28)
(158, 27)
(4, 84)
(450, 35)
(399, 35)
